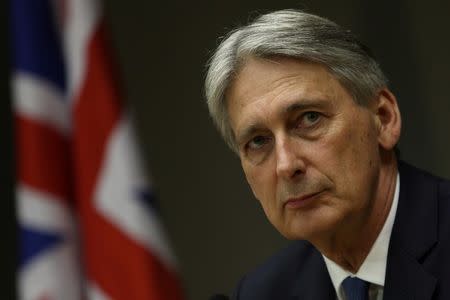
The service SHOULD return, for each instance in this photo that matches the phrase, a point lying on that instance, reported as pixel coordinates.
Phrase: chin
(310, 230)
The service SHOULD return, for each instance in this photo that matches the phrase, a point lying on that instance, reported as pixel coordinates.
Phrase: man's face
(309, 152)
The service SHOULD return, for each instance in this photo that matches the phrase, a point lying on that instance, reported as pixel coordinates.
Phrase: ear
(388, 119)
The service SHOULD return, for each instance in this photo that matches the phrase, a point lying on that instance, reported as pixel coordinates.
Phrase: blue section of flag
(36, 46)
(148, 198)
(34, 242)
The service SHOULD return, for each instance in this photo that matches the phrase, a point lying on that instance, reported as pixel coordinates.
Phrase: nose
(290, 164)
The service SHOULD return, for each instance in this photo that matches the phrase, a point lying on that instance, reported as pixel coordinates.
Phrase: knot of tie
(355, 288)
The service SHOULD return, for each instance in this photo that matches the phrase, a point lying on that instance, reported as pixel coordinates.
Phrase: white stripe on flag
(116, 197)
(54, 275)
(81, 19)
(43, 211)
(38, 99)
(95, 293)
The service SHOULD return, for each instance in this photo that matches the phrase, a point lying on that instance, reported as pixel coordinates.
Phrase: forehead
(270, 86)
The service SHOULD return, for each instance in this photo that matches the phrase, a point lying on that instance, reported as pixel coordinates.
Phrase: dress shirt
(373, 269)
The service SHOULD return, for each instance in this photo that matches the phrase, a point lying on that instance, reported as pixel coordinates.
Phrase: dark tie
(355, 288)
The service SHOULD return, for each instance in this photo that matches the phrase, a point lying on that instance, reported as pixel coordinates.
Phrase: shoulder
(412, 174)
(412, 178)
(424, 209)
(276, 277)
(415, 182)
(430, 189)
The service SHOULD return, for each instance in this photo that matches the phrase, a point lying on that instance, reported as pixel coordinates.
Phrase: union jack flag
(88, 228)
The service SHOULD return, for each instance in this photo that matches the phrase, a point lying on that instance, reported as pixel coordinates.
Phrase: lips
(302, 201)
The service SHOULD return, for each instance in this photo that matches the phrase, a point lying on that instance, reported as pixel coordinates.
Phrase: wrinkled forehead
(249, 68)
(261, 77)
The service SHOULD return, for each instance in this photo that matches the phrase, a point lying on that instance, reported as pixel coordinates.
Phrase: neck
(349, 246)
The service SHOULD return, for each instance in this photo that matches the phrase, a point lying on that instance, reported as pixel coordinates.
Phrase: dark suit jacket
(418, 263)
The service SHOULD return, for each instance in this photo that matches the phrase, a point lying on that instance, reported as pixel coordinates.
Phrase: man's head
(294, 34)
(307, 110)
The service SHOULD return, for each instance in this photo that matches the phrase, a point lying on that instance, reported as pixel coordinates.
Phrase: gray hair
(295, 34)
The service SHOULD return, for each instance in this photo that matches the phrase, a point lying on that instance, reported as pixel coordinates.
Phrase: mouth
(302, 201)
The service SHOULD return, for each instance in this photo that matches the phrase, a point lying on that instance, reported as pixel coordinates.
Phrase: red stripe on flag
(96, 113)
(42, 157)
(122, 268)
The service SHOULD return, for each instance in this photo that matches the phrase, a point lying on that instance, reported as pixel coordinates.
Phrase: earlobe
(388, 119)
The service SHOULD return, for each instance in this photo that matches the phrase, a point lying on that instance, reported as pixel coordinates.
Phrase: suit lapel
(313, 281)
(413, 237)
(406, 278)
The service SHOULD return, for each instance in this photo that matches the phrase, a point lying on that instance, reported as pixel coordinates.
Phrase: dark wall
(217, 228)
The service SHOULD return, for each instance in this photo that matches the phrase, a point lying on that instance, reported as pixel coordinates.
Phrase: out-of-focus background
(217, 229)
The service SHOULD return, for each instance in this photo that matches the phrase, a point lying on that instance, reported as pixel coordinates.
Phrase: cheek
(354, 139)
(348, 154)
(259, 183)
(263, 187)
(363, 147)
(357, 160)
(251, 174)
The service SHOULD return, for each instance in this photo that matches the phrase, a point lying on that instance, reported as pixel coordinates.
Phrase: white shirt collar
(373, 268)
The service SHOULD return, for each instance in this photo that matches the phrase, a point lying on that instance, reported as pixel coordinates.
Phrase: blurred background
(217, 229)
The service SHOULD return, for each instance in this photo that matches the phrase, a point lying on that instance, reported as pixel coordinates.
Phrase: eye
(309, 119)
(257, 142)
(258, 147)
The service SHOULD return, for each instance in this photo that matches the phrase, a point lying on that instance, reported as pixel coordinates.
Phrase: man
(307, 109)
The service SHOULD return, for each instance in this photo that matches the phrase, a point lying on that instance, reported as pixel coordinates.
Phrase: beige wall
(217, 228)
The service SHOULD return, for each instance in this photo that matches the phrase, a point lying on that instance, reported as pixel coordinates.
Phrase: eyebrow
(302, 104)
(248, 132)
